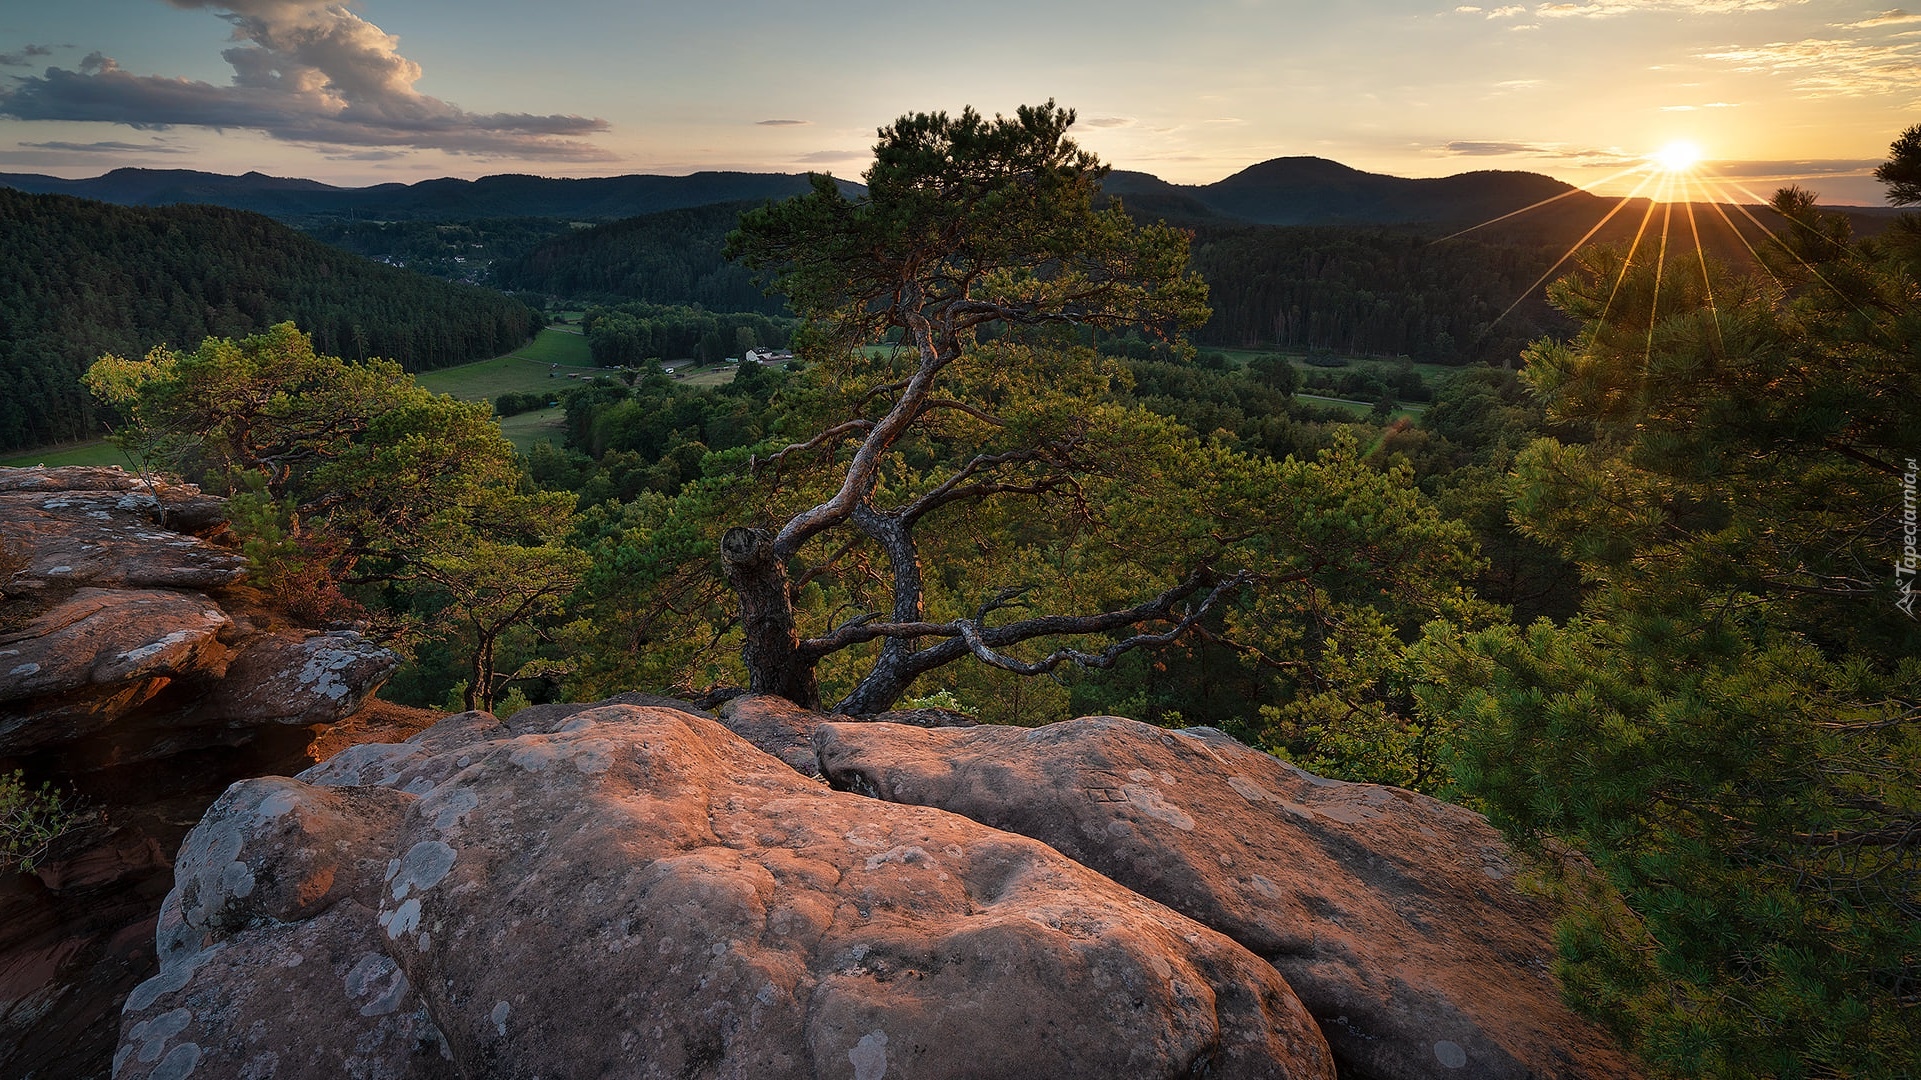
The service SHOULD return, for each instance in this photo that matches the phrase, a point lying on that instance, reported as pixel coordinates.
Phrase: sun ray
(1660, 267)
(1634, 245)
(1584, 190)
(1678, 165)
(1707, 283)
(1803, 263)
(1619, 205)
(1719, 195)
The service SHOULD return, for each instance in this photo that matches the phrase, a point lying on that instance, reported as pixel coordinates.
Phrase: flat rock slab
(181, 507)
(93, 537)
(1394, 916)
(640, 893)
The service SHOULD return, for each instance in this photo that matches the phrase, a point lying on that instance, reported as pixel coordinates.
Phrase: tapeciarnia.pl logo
(1905, 567)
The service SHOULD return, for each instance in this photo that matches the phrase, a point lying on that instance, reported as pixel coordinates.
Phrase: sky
(1769, 91)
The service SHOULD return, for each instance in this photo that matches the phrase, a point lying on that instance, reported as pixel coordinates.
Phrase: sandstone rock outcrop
(635, 889)
(1395, 917)
(639, 892)
(138, 671)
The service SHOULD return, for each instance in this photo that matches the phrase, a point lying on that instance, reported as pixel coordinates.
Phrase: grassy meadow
(97, 452)
(529, 369)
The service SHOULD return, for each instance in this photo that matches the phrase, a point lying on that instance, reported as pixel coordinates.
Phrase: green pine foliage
(1729, 727)
(352, 484)
(32, 821)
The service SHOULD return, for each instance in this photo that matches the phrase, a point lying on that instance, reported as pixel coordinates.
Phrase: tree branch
(833, 434)
(976, 638)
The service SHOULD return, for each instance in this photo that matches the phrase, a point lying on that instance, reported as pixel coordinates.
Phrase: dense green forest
(81, 279)
(668, 258)
(636, 333)
(87, 279)
(1373, 291)
(466, 251)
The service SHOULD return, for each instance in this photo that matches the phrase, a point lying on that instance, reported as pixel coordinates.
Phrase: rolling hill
(80, 278)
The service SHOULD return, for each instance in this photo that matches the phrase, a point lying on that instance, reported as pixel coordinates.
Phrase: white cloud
(1604, 9)
(304, 71)
(1832, 67)
(1896, 17)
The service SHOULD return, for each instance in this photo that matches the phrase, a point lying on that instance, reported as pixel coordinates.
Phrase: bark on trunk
(890, 676)
(771, 651)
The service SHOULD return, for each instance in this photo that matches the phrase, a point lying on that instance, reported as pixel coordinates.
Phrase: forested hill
(602, 198)
(1360, 291)
(669, 258)
(80, 278)
(1316, 191)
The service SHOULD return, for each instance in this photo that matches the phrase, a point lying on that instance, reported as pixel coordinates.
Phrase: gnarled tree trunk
(771, 652)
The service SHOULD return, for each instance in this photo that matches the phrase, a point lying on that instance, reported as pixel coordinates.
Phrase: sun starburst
(1679, 156)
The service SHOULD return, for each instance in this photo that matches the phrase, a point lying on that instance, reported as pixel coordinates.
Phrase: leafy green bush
(31, 820)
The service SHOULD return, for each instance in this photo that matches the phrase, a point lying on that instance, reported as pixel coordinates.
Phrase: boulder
(781, 728)
(640, 893)
(776, 726)
(301, 677)
(1397, 918)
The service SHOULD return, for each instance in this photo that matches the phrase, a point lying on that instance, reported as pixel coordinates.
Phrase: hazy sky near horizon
(1772, 91)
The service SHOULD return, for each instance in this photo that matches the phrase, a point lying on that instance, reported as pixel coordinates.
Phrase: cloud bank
(307, 71)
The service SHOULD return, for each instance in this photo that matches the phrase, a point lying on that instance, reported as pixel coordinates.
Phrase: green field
(526, 429)
(718, 375)
(1410, 411)
(526, 370)
(1240, 357)
(98, 452)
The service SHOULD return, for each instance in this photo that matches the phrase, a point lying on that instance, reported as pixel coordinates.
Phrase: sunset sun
(1677, 156)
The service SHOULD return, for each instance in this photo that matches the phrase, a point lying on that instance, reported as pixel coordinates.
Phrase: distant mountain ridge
(1281, 191)
(1316, 191)
(501, 196)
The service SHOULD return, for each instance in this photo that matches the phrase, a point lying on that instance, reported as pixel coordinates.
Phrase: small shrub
(940, 699)
(31, 820)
